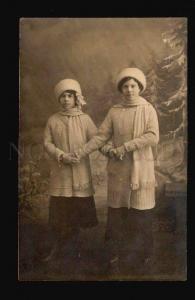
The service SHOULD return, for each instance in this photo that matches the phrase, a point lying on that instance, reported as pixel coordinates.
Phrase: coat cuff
(80, 153)
(106, 149)
(59, 154)
(130, 146)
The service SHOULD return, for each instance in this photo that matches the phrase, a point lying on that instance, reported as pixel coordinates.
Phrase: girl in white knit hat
(71, 190)
(132, 127)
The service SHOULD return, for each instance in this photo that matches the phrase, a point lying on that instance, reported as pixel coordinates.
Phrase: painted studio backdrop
(93, 51)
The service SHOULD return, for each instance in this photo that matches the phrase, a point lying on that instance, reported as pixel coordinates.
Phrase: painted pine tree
(167, 91)
(173, 88)
(172, 99)
(153, 81)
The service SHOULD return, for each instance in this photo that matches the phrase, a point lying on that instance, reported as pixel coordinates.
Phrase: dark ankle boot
(70, 247)
(52, 254)
(113, 267)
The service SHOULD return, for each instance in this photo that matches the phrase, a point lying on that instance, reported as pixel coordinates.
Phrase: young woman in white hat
(132, 127)
(71, 190)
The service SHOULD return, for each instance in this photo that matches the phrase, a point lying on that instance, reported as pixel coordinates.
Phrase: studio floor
(169, 261)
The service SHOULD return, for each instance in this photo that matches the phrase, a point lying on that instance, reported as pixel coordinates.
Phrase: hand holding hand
(79, 153)
(70, 158)
(120, 152)
(112, 153)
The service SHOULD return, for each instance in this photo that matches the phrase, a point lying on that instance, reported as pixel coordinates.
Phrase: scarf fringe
(82, 187)
(143, 185)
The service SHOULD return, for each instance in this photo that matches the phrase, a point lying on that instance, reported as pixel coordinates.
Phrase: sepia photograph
(102, 151)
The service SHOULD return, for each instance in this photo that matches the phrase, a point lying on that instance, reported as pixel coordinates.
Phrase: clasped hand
(118, 152)
(70, 158)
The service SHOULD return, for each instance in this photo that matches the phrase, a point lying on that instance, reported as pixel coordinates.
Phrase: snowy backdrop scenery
(93, 51)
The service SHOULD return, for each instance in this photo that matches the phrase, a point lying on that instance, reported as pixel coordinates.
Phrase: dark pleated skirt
(68, 214)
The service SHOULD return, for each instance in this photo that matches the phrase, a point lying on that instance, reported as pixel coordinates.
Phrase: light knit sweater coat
(63, 134)
(131, 181)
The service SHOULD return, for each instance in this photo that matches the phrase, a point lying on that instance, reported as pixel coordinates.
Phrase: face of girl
(130, 89)
(67, 100)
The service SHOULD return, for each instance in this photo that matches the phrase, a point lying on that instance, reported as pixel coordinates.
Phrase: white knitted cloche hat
(134, 73)
(69, 84)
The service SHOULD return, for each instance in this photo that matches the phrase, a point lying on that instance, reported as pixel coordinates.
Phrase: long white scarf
(76, 134)
(142, 175)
